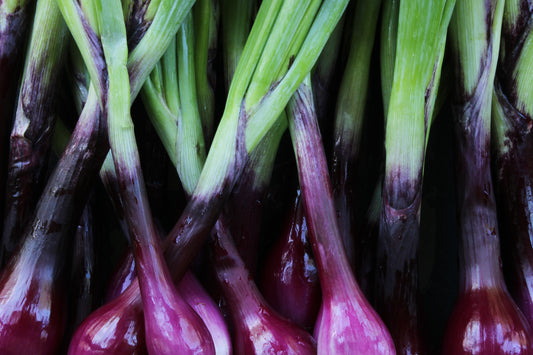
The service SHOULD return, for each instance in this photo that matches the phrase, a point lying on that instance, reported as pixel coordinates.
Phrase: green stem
(267, 111)
(236, 23)
(206, 31)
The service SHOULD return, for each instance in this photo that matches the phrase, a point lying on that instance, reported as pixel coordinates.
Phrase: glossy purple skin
(32, 307)
(173, 327)
(115, 328)
(257, 328)
(188, 235)
(34, 277)
(245, 207)
(197, 298)
(122, 277)
(347, 324)
(191, 291)
(486, 321)
(514, 183)
(290, 278)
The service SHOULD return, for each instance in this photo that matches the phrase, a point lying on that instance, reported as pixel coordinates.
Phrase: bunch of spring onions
(259, 177)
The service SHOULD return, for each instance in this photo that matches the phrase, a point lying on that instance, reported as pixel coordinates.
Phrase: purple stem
(244, 210)
(30, 138)
(485, 320)
(346, 323)
(171, 325)
(32, 313)
(14, 30)
(258, 329)
(514, 172)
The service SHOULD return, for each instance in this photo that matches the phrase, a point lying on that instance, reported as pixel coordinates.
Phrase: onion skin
(258, 329)
(35, 274)
(12, 36)
(347, 324)
(192, 292)
(122, 277)
(32, 308)
(195, 295)
(486, 321)
(290, 278)
(115, 328)
(166, 309)
(129, 304)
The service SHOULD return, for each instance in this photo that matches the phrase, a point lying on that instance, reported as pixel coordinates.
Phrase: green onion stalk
(33, 128)
(483, 302)
(15, 25)
(206, 19)
(256, 101)
(349, 117)
(346, 322)
(169, 95)
(413, 81)
(512, 143)
(242, 219)
(184, 331)
(260, 89)
(259, 166)
(234, 244)
(170, 99)
(245, 205)
(242, 214)
(36, 270)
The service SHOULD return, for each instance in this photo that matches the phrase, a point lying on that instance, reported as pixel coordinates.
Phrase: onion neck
(480, 246)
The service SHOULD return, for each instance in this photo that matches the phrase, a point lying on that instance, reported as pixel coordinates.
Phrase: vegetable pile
(266, 177)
